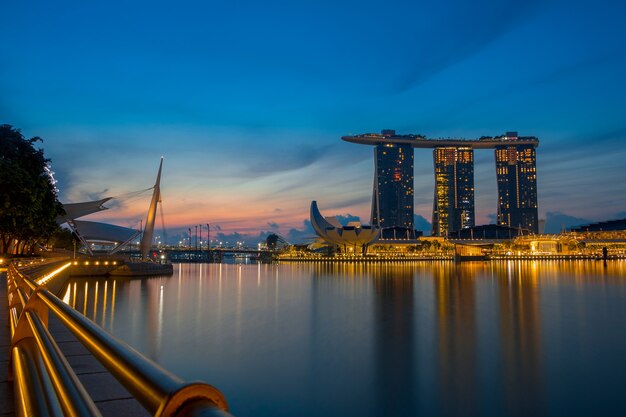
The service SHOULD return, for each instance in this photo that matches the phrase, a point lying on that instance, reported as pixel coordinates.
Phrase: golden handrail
(158, 390)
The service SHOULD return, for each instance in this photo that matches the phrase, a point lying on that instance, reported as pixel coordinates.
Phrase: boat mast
(146, 240)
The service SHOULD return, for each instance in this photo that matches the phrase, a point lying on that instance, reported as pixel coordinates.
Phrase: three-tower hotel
(453, 203)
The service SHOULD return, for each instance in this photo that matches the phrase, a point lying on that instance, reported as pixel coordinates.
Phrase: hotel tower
(392, 199)
(516, 173)
(453, 204)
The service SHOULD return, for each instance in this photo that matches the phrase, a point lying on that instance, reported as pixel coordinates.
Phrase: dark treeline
(28, 200)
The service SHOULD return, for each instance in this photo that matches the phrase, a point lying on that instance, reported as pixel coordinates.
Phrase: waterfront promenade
(111, 398)
(6, 387)
(66, 364)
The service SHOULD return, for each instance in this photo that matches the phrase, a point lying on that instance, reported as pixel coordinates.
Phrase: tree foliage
(28, 200)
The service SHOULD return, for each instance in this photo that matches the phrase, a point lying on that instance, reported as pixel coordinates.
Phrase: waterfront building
(516, 174)
(453, 202)
(392, 200)
(353, 237)
(392, 207)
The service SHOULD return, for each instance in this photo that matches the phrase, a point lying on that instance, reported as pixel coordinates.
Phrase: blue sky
(247, 100)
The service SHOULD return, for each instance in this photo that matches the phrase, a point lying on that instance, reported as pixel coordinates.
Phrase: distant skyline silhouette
(248, 101)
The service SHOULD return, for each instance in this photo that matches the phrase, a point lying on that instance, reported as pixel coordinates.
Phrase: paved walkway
(111, 398)
(6, 387)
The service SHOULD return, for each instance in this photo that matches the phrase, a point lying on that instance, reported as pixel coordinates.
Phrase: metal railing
(46, 385)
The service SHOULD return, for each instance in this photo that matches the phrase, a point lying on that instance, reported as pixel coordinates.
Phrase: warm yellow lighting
(66, 297)
(87, 263)
(75, 262)
(46, 278)
(97, 263)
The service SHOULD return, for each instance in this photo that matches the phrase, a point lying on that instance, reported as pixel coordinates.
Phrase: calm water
(429, 339)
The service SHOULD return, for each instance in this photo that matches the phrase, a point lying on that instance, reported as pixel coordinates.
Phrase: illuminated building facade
(392, 206)
(516, 174)
(453, 203)
(392, 200)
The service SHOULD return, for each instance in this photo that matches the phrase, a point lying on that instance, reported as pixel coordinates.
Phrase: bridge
(60, 363)
(211, 255)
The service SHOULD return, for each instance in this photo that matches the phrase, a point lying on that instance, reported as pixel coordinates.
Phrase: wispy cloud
(450, 34)
(280, 159)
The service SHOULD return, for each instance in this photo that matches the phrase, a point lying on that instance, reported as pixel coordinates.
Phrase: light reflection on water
(507, 338)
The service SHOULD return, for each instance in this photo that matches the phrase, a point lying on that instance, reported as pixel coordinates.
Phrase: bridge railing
(46, 385)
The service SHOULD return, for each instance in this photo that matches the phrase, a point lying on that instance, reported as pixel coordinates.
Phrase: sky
(247, 101)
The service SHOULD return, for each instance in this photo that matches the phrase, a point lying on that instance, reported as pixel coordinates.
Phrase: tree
(28, 201)
(63, 239)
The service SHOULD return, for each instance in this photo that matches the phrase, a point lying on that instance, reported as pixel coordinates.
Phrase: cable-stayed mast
(146, 240)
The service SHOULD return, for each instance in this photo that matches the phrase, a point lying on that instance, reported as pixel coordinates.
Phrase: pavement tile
(122, 408)
(72, 348)
(4, 371)
(6, 388)
(85, 364)
(6, 397)
(103, 386)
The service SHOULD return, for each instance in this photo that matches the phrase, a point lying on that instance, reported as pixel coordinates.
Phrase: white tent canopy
(103, 232)
(77, 210)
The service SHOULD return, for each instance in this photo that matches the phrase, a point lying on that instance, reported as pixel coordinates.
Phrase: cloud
(420, 223)
(273, 225)
(305, 234)
(344, 219)
(557, 221)
(350, 202)
(555, 149)
(475, 25)
(278, 160)
(540, 80)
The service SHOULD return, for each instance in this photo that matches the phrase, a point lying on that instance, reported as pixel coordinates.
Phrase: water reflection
(388, 339)
(456, 336)
(394, 341)
(520, 339)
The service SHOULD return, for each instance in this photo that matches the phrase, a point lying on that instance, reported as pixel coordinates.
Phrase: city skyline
(249, 119)
(453, 162)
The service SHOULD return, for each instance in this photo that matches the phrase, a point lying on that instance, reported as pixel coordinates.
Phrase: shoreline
(490, 258)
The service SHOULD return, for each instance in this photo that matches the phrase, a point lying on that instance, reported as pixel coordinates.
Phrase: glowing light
(46, 278)
(66, 297)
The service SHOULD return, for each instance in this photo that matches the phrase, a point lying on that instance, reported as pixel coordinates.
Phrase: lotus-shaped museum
(354, 235)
